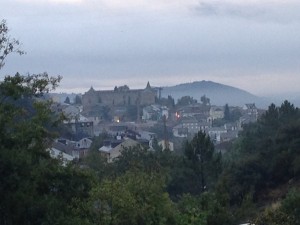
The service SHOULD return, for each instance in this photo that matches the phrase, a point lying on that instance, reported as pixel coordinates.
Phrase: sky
(249, 44)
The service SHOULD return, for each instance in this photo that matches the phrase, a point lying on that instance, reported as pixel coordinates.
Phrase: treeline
(143, 187)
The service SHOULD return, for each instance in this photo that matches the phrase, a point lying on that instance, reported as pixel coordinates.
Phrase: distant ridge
(219, 94)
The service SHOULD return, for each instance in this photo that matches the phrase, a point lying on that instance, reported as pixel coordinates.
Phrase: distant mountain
(219, 94)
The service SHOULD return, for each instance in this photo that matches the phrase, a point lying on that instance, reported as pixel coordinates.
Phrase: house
(250, 114)
(97, 113)
(246, 119)
(76, 149)
(231, 126)
(192, 125)
(215, 133)
(193, 110)
(84, 143)
(81, 147)
(63, 146)
(155, 112)
(180, 131)
(228, 136)
(94, 117)
(250, 108)
(57, 154)
(166, 145)
(70, 111)
(149, 113)
(81, 126)
(216, 112)
(117, 129)
(112, 153)
(146, 135)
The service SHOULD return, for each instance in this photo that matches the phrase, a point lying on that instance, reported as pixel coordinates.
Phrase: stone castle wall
(118, 98)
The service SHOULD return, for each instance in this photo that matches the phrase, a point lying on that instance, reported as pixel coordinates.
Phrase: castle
(120, 96)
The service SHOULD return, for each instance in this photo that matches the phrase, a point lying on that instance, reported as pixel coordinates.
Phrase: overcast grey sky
(249, 44)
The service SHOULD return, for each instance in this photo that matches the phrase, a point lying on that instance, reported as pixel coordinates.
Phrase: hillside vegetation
(255, 181)
(219, 94)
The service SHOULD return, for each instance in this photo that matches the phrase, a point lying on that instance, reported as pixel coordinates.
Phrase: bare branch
(7, 44)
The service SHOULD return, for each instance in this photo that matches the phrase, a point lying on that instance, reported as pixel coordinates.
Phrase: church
(120, 96)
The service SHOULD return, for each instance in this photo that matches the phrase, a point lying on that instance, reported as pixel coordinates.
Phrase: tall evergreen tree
(67, 100)
(227, 116)
(204, 161)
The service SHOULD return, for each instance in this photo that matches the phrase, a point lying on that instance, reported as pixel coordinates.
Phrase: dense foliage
(34, 188)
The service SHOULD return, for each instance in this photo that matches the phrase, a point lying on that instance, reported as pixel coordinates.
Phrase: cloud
(230, 9)
(120, 41)
(261, 11)
(116, 5)
(43, 2)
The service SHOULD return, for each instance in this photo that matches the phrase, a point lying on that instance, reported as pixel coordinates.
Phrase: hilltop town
(129, 117)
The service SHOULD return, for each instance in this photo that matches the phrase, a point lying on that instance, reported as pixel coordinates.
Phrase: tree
(227, 116)
(133, 198)
(77, 100)
(67, 100)
(207, 208)
(7, 44)
(137, 158)
(169, 102)
(205, 100)
(190, 212)
(186, 100)
(204, 161)
(265, 155)
(291, 206)
(285, 213)
(34, 188)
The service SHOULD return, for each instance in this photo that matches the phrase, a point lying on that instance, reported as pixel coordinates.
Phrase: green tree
(273, 217)
(205, 100)
(77, 100)
(227, 115)
(190, 212)
(169, 102)
(265, 155)
(34, 188)
(204, 161)
(137, 158)
(26, 167)
(133, 198)
(207, 208)
(98, 164)
(291, 206)
(186, 100)
(285, 212)
(67, 100)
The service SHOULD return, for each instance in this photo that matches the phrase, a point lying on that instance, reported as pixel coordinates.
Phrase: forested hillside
(219, 94)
